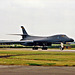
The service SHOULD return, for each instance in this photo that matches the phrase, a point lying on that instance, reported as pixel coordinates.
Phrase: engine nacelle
(27, 44)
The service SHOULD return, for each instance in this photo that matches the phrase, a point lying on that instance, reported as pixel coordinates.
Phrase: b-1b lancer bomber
(35, 41)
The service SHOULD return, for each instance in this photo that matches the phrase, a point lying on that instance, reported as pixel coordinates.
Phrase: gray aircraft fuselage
(29, 40)
(46, 41)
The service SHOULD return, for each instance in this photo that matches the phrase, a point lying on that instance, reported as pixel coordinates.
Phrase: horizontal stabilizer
(18, 34)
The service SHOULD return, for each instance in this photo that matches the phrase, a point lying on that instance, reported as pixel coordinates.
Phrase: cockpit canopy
(60, 36)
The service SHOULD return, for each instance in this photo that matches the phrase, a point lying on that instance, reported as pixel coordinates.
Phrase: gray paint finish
(29, 40)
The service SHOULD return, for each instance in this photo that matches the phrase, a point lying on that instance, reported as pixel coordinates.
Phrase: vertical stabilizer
(25, 34)
(24, 31)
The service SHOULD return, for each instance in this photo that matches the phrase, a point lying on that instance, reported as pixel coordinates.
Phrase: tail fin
(24, 35)
(24, 31)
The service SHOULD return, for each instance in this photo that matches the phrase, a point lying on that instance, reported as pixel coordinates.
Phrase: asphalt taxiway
(29, 49)
(36, 70)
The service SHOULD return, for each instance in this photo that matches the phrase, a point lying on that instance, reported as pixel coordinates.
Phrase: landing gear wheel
(44, 48)
(62, 48)
(35, 48)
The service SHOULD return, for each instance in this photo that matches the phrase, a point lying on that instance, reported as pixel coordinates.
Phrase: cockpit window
(63, 35)
(59, 36)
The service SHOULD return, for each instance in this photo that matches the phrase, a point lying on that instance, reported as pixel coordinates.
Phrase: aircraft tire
(62, 48)
(35, 48)
(44, 48)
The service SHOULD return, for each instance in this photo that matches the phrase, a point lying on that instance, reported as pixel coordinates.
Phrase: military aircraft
(35, 41)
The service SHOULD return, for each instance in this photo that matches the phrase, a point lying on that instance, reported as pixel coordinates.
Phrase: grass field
(38, 58)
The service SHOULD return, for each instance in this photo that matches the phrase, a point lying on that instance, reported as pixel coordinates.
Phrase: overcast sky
(39, 17)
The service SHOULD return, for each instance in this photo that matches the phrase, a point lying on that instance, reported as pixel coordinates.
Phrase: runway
(55, 50)
(36, 70)
(29, 49)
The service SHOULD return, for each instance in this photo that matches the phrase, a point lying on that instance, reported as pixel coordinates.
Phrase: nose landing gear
(62, 46)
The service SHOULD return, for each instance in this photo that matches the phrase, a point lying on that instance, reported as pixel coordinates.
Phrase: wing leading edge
(15, 42)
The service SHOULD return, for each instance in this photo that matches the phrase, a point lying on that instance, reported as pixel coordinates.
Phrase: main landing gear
(43, 48)
(35, 48)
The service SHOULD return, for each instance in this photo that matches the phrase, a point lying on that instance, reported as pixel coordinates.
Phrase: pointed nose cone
(71, 40)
